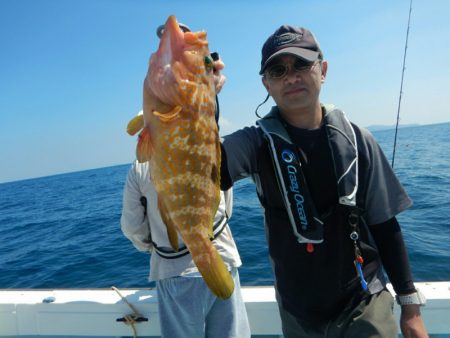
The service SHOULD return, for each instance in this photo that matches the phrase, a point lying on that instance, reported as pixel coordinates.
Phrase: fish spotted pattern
(180, 139)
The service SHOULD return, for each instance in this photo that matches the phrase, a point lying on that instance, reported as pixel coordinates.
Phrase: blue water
(63, 231)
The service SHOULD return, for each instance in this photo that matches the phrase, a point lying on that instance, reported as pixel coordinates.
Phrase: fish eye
(209, 65)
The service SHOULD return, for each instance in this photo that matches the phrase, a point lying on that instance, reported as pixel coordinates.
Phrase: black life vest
(305, 222)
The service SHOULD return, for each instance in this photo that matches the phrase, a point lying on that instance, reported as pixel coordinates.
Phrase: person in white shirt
(187, 308)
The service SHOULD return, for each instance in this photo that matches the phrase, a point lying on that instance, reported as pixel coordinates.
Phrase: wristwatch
(413, 298)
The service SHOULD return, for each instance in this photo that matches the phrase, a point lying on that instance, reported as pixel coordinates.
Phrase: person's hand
(219, 78)
(411, 323)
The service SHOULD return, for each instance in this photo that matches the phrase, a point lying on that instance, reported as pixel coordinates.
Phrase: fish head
(181, 70)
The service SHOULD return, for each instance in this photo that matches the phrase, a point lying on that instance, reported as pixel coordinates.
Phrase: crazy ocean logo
(291, 161)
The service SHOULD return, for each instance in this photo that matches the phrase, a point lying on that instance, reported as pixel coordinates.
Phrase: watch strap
(414, 298)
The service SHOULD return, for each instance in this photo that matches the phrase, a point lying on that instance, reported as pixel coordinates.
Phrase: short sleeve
(385, 197)
(241, 148)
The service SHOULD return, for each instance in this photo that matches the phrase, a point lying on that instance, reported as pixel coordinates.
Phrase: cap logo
(286, 38)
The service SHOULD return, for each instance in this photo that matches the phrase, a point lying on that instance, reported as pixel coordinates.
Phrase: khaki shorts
(372, 318)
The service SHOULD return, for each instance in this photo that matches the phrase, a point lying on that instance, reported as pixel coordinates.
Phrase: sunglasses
(280, 70)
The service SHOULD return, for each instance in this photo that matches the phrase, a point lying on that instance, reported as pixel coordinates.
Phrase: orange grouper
(180, 139)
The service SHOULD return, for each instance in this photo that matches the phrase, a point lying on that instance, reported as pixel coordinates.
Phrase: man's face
(293, 83)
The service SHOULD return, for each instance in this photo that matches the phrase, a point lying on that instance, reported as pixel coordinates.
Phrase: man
(330, 199)
(187, 308)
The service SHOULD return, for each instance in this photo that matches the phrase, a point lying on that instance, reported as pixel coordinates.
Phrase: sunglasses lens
(277, 71)
(300, 65)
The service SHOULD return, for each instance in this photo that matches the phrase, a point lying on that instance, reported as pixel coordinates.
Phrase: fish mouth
(160, 29)
(172, 40)
(172, 26)
(178, 66)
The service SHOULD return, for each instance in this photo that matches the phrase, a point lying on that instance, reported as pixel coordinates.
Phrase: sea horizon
(372, 128)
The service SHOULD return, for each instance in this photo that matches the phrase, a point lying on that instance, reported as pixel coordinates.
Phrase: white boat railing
(101, 312)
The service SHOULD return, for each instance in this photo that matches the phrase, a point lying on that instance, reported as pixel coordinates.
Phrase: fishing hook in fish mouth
(183, 27)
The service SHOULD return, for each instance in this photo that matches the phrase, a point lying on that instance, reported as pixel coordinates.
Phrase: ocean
(63, 231)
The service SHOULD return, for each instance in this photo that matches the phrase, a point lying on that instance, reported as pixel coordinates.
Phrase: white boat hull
(94, 312)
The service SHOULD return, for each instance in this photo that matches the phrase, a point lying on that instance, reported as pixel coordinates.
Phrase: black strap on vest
(308, 226)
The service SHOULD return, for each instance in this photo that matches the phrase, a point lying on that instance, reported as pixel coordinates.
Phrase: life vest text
(299, 199)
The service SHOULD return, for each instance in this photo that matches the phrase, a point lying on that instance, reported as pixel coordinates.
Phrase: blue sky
(71, 71)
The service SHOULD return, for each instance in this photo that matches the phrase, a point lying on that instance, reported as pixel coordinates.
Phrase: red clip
(360, 259)
(309, 247)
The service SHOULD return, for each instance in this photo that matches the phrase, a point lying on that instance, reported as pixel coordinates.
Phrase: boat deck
(98, 312)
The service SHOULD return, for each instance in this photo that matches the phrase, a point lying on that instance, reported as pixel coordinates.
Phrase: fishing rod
(401, 85)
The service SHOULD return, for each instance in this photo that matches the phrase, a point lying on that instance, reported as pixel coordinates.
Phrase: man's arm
(134, 221)
(391, 246)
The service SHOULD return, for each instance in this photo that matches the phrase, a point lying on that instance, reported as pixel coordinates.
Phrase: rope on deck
(130, 319)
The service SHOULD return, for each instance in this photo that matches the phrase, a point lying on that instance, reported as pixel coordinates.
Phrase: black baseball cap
(297, 41)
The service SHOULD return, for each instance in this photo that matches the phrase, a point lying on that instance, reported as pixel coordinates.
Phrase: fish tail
(214, 272)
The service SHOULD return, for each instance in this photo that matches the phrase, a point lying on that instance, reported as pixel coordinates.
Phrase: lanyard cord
(353, 220)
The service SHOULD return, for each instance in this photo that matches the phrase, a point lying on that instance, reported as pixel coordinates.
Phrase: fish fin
(215, 273)
(211, 232)
(135, 124)
(170, 225)
(215, 200)
(170, 115)
(144, 148)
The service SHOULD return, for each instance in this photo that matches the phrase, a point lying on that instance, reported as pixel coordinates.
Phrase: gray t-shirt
(385, 197)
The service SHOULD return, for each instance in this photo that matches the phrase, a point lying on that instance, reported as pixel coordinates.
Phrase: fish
(179, 137)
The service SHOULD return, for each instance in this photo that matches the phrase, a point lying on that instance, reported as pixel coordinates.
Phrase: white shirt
(138, 227)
